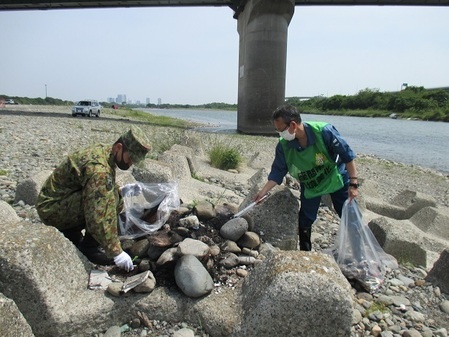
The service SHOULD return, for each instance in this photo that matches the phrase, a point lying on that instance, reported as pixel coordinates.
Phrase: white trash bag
(357, 252)
(147, 207)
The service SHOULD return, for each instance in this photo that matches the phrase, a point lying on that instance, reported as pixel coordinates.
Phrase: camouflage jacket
(89, 173)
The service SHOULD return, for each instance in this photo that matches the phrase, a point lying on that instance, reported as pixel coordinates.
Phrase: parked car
(9, 101)
(87, 108)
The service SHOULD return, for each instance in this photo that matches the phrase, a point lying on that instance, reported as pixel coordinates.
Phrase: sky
(189, 55)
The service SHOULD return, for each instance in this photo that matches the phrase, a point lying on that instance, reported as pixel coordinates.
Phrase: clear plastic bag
(148, 211)
(357, 252)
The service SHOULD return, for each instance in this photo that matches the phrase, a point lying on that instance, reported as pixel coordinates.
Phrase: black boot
(304, 239)
(92, 250)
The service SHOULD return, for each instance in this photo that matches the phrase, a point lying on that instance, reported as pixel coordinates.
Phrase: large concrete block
(401, 207)
(406, 242)
(178, 163)
(439, 274)
(276, 218)
(193, 190)
(7, 213)
(47, 278)
(29, 189)
(412, 202)
(288, 293)
(189, 153)
(153, 171)
(124, 177)
(12, 322)
(433, 221)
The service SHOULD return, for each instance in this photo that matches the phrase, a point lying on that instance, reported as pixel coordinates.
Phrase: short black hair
(288, 113)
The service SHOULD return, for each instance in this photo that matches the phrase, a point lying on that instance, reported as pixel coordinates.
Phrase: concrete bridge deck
(70, 4)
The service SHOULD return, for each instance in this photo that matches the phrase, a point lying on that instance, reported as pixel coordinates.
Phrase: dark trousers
(309, 210)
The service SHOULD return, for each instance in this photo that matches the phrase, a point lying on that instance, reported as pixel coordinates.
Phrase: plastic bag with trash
(147, 207)
(357, 252)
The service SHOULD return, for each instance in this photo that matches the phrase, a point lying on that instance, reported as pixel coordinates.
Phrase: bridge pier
(262, 26)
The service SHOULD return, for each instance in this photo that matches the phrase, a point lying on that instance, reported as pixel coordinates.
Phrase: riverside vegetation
(411, 103)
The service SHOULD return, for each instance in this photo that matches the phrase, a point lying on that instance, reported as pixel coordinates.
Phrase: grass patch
(3, 172)
(197, 177)
(377, 306)
(225, 157)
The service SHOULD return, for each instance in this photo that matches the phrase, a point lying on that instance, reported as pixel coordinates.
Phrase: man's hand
(123, 261)
(131, 190)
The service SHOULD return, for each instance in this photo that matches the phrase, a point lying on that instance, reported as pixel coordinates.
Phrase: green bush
(224, 157)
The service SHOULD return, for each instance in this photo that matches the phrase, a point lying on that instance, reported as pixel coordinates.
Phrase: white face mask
(287, 135)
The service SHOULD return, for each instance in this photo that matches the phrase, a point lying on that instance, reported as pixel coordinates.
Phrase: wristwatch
(355, 185)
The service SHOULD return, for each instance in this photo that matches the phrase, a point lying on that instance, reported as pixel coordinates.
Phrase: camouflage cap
(136, 143)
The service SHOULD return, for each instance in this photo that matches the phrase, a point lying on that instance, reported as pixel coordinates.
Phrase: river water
(412, 142)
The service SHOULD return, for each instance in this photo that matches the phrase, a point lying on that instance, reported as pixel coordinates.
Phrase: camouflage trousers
(64, 214)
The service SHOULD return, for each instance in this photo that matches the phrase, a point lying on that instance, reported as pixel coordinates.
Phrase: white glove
(123, 261)
(132, 190)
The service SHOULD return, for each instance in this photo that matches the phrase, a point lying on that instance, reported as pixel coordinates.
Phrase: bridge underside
(234, 4)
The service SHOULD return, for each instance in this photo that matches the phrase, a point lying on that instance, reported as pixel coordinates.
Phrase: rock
(192, 278)
(214, 250)
(167, 256)
(193, 247)
(249, 240)
(184, 332)
(205, 210)
(411, 333)
(147, 286)
(250, 252)
(230, 246)
(246, 260)
(234, 229)
(155, 252)
(241, 272)
(191, 222)
(440, 332)
(140, 248)
(231, 260)
(113, 331)
(444, 306)
(115, 289)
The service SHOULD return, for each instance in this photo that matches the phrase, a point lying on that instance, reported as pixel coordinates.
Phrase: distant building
(159, 101)
(121, 98)
(111, 100)
(147, 100)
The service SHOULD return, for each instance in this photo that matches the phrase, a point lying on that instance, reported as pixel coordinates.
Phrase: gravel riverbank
(34, 138)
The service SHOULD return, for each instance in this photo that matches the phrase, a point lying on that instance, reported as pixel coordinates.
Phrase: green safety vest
(313, 166)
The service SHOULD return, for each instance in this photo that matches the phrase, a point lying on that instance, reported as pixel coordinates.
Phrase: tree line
(412, 102)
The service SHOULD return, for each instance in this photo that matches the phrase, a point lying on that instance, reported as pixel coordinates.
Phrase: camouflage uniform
(82, 193)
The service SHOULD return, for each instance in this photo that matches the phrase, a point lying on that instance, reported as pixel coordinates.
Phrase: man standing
(319, 158)
(81, 193)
